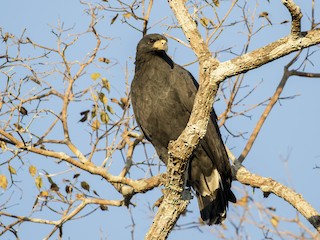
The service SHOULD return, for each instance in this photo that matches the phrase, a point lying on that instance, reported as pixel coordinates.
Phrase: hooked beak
(161, 45)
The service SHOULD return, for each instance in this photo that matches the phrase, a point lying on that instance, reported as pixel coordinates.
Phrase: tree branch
(211, 73)
(266, 54)
(268, 185)
(296, 16)
(266, 112)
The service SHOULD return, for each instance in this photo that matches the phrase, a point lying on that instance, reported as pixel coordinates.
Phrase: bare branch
(296, 17)
(266, 54)
(268, 185)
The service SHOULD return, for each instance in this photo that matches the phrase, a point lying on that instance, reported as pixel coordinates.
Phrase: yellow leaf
(216, 3)
(95, 125)
(95, 97)
(104, 117)
(243, 201)
(12, 170)
(95, 76)
(3, 146)
(105, 60)
(110, 109)
(106, 84)
(114, 100)
(39, 182)
(127, 15)
(3, 181)
(44, 194)
(94, 112)
(103, 98)
(79, 196)
(32, 170)
(124, 101)
(204, 21)
(274, 221)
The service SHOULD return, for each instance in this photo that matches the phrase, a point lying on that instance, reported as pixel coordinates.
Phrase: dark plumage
(162, 95)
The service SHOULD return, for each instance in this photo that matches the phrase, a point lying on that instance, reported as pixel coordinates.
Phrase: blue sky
(291, 132)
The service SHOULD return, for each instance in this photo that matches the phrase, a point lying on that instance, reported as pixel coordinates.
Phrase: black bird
(162, 96)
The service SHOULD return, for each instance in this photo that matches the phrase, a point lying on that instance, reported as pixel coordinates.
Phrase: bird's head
(152, 43)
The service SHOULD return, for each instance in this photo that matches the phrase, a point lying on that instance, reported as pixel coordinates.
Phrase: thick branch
(211, 73)
(296, 16)
(267, 110)
(268, 185)
(141, 185)
(190, 29)
(266, 54)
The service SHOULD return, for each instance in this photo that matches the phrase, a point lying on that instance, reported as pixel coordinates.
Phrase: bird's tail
(214, 211)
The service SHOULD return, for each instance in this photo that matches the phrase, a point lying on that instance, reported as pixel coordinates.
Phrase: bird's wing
(212, 142)
(209, 172)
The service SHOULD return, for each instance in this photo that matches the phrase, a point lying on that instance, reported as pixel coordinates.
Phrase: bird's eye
(152, 41)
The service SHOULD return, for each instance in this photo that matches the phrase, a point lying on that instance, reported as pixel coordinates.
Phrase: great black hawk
(162, 96)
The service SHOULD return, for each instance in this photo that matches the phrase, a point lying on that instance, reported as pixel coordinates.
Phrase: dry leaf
(54, 187)
(85, 186)
(95, 125)
(103, 98)
(104, 117)
(23, 111)
(94, 112)
(3, 181)
(114, 100)
(103, 207)
(216, 3)
(106, 84)
(110, 109)
(103, 59)
(76, 175)
(44, 194)
(204, 21)
(12, 170)
(3, 145)
(32, 170)
(124, 101)
(69, 189)
(274, 221)
(38, 182)
(243, 201)
(114, 19)
(95, 76)
(127, 15)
